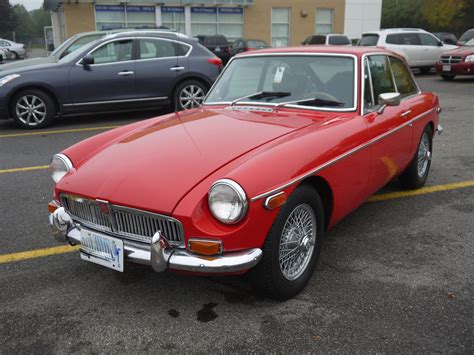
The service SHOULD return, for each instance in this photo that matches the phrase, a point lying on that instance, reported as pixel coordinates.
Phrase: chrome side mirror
(388, 99)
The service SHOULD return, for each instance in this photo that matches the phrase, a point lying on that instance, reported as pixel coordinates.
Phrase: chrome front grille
(450, 59)
(122, 221)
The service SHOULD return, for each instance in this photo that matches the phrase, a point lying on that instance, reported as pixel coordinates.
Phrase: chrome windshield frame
(355, 104)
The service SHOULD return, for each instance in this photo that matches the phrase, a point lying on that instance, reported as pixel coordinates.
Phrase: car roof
(394, 30)
(353, 50)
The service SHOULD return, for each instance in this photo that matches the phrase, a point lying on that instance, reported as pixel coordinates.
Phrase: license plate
(217, 49)
(101, 249)
(446, 68)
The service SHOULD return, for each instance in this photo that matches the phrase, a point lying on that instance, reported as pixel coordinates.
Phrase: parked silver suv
(420, 48)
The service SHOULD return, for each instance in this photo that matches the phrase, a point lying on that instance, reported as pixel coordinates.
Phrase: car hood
(156, 163)
(464, 50)
(27, 63)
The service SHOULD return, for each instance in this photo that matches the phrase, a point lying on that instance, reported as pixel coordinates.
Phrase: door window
(118, 51)
(382, 81)
(156, 48)
(428, 40)
(405, 84)
(404, 39)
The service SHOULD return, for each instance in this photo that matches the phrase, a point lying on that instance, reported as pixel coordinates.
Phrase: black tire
(267, 277)
(15, 55)
(425, 70)
(42, 106)
(191, 86)
(448, 77)
(411, 177)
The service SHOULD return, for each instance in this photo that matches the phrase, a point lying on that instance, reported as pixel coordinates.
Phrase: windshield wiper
(314, 102)
(269, 95)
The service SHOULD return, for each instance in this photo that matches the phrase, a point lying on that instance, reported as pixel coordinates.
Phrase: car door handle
(406, 113)
(177, 68)
(126, 73)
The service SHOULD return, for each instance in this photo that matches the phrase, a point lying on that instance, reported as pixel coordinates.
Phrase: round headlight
(60, 165)
(227, 201)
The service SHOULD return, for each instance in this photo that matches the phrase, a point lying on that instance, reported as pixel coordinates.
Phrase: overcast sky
(29, 4)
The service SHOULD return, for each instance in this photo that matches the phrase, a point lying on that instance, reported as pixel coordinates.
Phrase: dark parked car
(446, 37)
(123, 71)
(244, 45)
(217, 44)
(469, 34)
(327, 39)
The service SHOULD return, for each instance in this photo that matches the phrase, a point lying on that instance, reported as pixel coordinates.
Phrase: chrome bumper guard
(159, 254)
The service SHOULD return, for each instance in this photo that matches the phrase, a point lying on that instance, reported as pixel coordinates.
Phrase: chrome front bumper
(159, 254)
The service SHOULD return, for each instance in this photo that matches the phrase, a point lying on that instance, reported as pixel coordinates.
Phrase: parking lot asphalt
(395, 276)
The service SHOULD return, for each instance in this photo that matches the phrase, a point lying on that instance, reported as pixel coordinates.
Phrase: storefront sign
(230, 10)
(172, 9)
(140, 9)
(109, 8)
(203, 10)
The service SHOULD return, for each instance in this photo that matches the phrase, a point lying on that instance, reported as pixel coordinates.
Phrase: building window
(230, 22)
(109, 17)
(227, 21)
(173, 17)
(203, 21)
(324, 19)
(280, 27)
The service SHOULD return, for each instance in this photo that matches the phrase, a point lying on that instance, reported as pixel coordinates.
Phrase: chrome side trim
(116, 101)
(342, 156)
(137, 37)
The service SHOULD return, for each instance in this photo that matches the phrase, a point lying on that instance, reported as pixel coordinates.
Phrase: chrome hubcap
(424, 155)
(191, 96)
(30, 110)
(297, 242)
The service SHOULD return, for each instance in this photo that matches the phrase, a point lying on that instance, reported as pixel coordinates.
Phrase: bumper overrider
(160, 254)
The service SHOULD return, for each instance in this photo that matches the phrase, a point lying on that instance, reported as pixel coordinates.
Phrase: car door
(431, 47)
(108, 83)
(408, 44)
(391, 138)
(159, 62)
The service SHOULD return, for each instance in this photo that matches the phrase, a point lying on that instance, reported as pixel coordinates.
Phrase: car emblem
(104, 207)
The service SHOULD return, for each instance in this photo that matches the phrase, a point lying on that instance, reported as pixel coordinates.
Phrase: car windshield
(318, 80)
(470, 42)
(368, 40)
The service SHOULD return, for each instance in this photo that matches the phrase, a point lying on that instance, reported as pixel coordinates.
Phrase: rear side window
(382, 81)
(404, 39)
(405, 84)
(156, 48)
(467, 35)
(339, 40)
(317, 40)
(215, 41)
(369, 40)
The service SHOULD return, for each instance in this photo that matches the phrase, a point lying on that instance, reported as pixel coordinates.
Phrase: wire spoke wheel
(191, 96)
(30, 110)
(423, 155)
(297, 242)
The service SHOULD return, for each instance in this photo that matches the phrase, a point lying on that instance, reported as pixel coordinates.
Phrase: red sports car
(459, 61)
(287, 143)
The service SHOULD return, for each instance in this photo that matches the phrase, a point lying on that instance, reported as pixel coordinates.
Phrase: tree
(440, 14)
(7, 22)
(401, 13)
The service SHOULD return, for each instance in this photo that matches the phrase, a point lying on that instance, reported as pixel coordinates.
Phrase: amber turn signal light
(52, 206)
(275, 201)
(205, 247)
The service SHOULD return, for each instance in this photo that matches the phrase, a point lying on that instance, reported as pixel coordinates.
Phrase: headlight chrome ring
(227, 201)
(59, 166)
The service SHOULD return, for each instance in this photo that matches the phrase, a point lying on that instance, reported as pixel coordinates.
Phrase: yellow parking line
(39, 133)
(16, 170)
(38, 253)
(422, 191)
